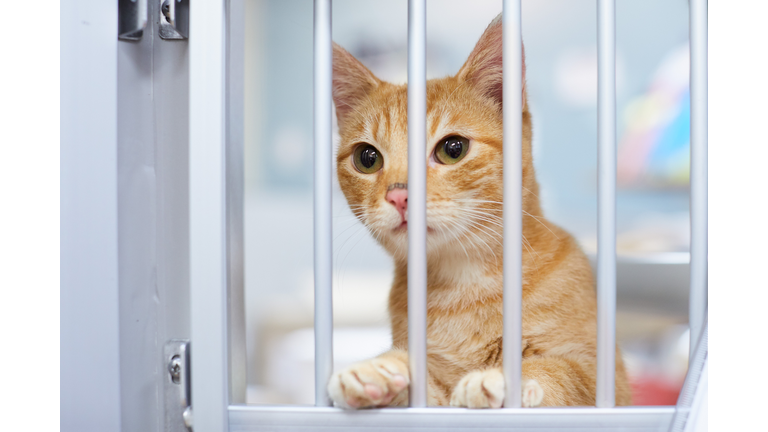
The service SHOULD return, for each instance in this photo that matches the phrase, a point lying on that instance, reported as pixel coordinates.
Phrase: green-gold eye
(451, 150)
(367, 159)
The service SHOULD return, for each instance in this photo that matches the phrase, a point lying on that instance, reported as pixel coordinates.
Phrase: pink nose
(399, 199)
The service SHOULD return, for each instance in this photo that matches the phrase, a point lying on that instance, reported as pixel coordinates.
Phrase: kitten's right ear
(352, 82)
(483, 68)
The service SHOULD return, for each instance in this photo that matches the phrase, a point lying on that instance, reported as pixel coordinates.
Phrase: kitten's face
(463, 154)
(463, 157)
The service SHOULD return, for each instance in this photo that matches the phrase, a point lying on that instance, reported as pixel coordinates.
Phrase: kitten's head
(463, 155)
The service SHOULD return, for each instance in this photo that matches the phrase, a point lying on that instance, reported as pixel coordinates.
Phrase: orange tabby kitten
(464, 193)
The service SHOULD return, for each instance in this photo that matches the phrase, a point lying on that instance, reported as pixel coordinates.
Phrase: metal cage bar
(207, 216)
(417, 204)
(310, 419)
(698, 181)
(323, 216)
(208, 278)
(513, 201)
(606, 203)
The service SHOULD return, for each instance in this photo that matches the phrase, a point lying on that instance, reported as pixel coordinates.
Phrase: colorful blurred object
(654, 149)
(655, 391)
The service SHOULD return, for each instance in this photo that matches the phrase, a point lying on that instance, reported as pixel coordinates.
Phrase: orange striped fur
(464, 248)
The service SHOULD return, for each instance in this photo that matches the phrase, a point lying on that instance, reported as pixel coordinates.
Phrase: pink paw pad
(399, 382)
(374, 392)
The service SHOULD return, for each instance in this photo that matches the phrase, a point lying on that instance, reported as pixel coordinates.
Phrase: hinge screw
(187, 417)
(167, 11)
(174, 367)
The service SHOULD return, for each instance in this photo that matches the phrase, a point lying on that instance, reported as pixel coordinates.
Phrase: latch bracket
(174, 19)
(131, 19)
(177, 387)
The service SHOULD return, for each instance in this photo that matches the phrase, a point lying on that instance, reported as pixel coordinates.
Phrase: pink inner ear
(522, 62)
(351, 82)
(484, 65)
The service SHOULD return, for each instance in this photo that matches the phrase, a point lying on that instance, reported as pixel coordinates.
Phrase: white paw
(479, 389)
(374, 382)
(533, 394)
(485, 389)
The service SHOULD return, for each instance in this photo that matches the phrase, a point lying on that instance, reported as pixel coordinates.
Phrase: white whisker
(345, 230)
(531, 192)
(496, 259)
(457, 239)
(525, 243)
(341, 265)
(529, 250)
(542, 224)
(536, 218)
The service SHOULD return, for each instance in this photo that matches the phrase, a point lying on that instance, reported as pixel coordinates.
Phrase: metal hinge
(177, 387)
(173, 16)
(131, 19)
(174, 19)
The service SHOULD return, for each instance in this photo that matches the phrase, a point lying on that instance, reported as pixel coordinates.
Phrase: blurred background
(561, 58)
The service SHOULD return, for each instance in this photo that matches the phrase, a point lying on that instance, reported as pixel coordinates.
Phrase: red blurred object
(654, 390)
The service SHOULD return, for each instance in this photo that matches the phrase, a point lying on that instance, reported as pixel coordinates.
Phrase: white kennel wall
(208, 239)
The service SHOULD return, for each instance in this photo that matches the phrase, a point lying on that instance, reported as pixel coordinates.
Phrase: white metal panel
(90, 361)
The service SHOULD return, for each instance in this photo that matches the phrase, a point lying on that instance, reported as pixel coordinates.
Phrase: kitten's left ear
(483, 68)
(352, 82)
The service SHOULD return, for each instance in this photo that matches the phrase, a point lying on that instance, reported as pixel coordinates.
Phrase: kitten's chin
(403, 228)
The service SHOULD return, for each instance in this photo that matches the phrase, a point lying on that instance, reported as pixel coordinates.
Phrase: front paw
(485, 389)
(371, 383)
(479, 389)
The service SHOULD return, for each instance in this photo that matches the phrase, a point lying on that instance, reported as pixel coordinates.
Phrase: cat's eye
(367, 159)
(451, 150)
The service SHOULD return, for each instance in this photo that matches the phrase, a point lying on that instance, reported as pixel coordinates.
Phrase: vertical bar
(417, 205)
(606, 204)
(698, 296)
(207, 212)
(235, 178)
(323, 76)
(513, 201)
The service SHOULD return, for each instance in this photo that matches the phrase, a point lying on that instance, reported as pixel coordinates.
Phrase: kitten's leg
(485, 389)
(547, 381)
(379, 381)
(565, 380)
(571, 380)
